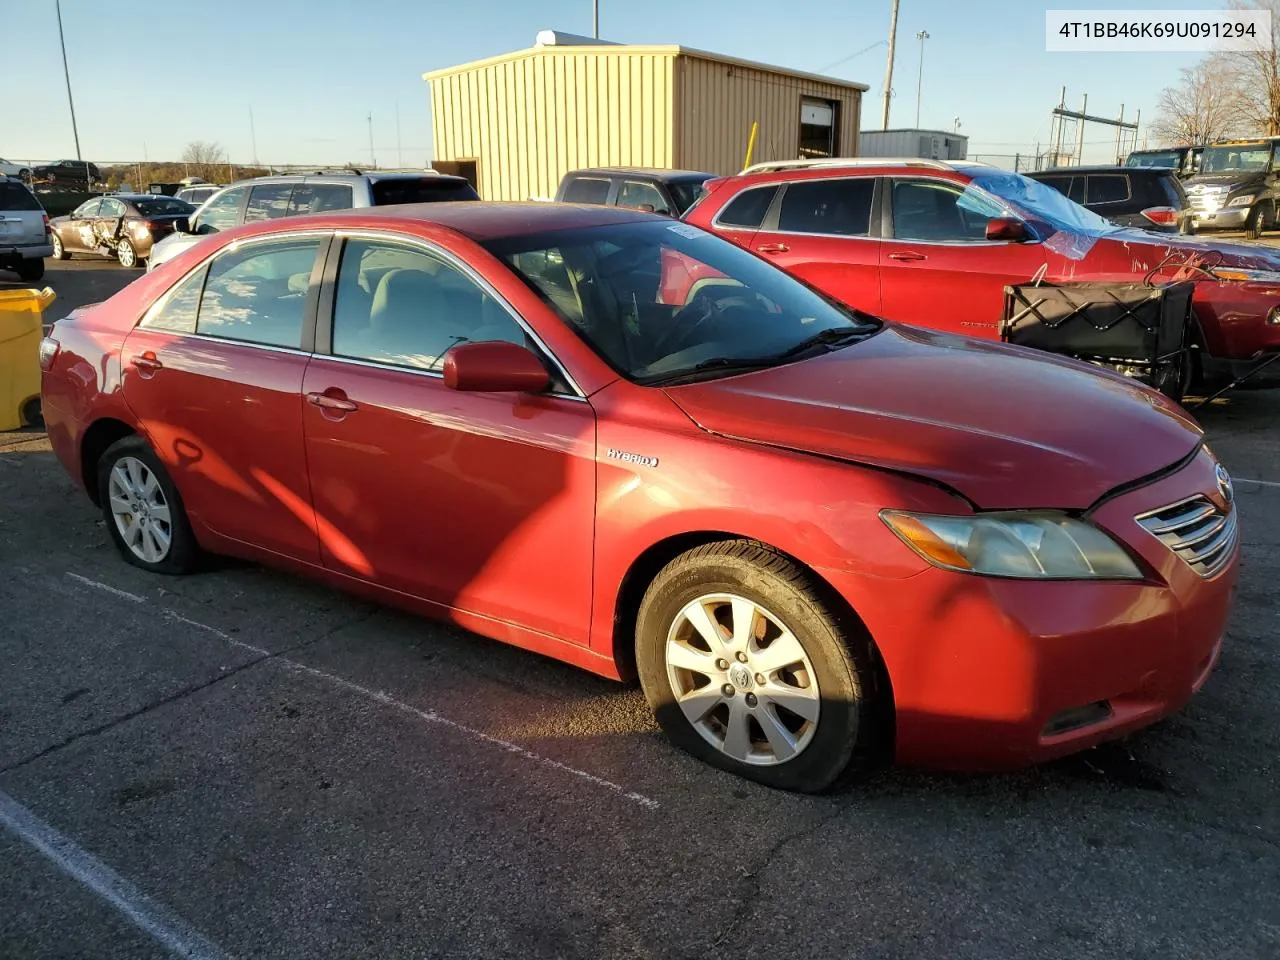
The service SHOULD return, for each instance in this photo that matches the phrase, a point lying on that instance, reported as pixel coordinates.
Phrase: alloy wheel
(126, 254)
(140, 510)
(57, 247)
(742, 679)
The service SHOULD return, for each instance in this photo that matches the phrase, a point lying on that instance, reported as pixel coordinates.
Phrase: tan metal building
(515, 124)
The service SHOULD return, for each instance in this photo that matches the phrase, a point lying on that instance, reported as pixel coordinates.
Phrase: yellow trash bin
(21, 316)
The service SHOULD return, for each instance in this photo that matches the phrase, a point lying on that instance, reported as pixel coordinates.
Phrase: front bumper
(983, 671)
(1224, 218)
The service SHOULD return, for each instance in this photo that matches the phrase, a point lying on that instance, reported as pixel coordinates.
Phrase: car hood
(1005, 427)
(1224, 253)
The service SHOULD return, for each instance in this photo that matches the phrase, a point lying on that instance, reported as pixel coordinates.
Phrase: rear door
(824, 232)
(938, 269)
(22, 219)
(106, 226)
(214, 373)
(268, 201)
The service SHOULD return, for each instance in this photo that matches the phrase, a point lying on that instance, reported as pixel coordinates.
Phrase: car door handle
(327, 401)
(146, 362)
(907, 255)
(773, 248)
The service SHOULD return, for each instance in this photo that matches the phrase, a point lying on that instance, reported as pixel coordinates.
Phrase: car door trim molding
(326, 304)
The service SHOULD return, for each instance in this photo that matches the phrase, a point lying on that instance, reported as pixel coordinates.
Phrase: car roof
(1101, 168)
(482, 221)
(657, 173)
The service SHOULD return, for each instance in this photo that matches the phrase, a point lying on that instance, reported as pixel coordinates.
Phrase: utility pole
(253, 137)
(75, 133)
(373, 161)
(595, 18)
(922, 36)
(888, 70)
(399, 149)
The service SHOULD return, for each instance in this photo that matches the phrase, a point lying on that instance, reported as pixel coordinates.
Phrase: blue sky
(148, 78)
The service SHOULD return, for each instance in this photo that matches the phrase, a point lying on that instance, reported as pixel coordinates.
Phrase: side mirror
(646, 208)
(182, 225)
(495, 366)
(1007, 228)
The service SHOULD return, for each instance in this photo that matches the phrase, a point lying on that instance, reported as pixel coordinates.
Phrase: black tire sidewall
(1253, 224)
(183, 550)
(827, 757)
(29, 271)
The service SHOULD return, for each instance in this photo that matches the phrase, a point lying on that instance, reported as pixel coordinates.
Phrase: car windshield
(662, 301)
(1168, 158)
(1042, 202)
(1245, 157)
(685, 192)
(160, 206)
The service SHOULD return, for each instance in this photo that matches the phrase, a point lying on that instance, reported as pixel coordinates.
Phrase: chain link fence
(1017, 162)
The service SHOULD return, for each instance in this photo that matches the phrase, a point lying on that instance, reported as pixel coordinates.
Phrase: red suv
(934, 244)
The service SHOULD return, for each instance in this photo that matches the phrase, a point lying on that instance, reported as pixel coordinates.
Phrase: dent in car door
(214, 374)
(484, 502)
(825, 232)
(937, 269)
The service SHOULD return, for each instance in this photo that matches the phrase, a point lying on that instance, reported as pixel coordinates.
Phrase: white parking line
(430, 716)
(109, 589)
(1261, 483)
(174, 933)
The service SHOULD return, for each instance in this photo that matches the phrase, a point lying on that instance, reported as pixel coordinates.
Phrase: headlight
(1241, 201)
(1022, 544)
(1247, 276)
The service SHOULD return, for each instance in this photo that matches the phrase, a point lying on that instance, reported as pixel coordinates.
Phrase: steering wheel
(679, 335)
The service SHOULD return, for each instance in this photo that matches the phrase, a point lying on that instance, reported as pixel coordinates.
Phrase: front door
(480, 501)
(823, 232)
(938, 270)
(214, 373)
(77, 231)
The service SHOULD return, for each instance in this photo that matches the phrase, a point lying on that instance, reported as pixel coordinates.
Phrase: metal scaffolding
(1068, 125)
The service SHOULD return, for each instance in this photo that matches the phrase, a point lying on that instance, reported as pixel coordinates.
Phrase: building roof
(941, 133)
(675, 50)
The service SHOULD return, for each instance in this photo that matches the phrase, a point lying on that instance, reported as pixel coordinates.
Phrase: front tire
(749, 668)
(29, 271)
(143, 510)
(126, 254)
(59, 251)
(1253, 224)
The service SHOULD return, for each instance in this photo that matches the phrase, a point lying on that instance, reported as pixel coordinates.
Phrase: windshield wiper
(832, 336)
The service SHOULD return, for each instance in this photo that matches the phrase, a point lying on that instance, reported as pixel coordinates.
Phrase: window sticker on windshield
(685, 230)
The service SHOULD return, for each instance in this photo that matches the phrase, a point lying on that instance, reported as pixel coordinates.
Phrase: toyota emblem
(1224, 484)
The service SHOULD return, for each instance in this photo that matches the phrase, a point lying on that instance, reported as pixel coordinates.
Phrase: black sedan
(1148, 197)
(66, 175)
(123, 226)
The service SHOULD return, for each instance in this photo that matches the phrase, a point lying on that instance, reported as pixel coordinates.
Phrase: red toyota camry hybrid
(820, 540)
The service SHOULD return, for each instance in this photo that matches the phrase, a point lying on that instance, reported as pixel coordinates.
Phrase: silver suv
(24, 231)
(267, 198)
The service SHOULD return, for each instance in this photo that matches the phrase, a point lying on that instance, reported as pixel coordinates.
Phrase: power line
(843, 60)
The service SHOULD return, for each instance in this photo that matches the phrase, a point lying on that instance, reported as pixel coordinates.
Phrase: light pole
(922, 36)
(67, 74)
(595, 18)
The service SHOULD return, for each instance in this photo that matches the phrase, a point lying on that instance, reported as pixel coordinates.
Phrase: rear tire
(748, 667)
(126, 253)
(59, 251)
(29, 271)
(143, 510)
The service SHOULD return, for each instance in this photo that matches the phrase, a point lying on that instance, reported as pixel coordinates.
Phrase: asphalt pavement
(245, 764)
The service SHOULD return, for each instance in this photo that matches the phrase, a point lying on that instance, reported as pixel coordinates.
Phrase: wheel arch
(649, 563)
(101, 434)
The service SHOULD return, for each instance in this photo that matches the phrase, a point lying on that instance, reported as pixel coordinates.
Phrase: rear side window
(586, 190)
(319, 197)
(1108, 188)
(15, 196)
(268, 201)
(258, 294)
(839, 207)
(426, 190)
(748, 208)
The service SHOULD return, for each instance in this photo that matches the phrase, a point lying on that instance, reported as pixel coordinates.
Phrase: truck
(1237, 187)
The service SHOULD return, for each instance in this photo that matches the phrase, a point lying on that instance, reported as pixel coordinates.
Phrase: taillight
(47, 229)
(1163, 216)
(49, 348)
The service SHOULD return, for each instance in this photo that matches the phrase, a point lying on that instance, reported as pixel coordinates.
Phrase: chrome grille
(1206, 199)
(1197, 530)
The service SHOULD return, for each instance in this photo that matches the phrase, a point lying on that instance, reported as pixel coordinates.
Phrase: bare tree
(1204, 105)
(204, 158)
(1256, 76)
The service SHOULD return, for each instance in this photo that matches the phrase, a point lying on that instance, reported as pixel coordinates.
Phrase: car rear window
(14, 196)
(425, 190)
(1108, 188)
(586, 190)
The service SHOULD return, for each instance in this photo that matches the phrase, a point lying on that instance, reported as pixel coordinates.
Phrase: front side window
(615, 286)
(748, 208)
(258, 294)
(111, 209)
(839, 207)
(400, 305)
(637, 194)
(176, 312)
(319, 197)
(268, 201)
(1243, 158)
(586, 190)
(222, 212)
(936, 212)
